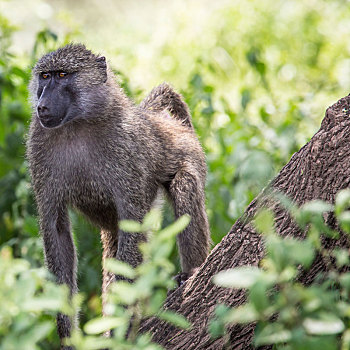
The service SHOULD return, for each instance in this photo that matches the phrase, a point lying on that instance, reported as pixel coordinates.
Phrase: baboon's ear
(102, 65)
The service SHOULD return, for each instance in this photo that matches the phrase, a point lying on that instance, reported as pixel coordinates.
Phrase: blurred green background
(257, 75)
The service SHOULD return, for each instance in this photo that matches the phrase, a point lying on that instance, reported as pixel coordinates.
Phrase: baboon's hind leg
(186, 191)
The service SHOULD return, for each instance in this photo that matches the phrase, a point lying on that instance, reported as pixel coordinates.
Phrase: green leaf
(156, 302)
(152, 220)
(30, 225)
(130, 226)
(312, 211)
(42, 303)
(317, 207)
(222, 310)
(258, 296)
(100, 325)
(273, 333)
(216, 328)
(342, 201)
(217, 324)
(264, 222)
(342, 257)
(331, 325)
(40, 331)
(242, 314)
(301, 252)
(86, 342)
(240, 277)
(176, 319)
(345, 280)
(344, 220)
(120, 268)
(124, 292)
(144, 342)
(175, 228)
(346, 340)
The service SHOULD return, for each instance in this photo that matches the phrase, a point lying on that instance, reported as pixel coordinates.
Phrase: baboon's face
(56, 98)
(68, 84)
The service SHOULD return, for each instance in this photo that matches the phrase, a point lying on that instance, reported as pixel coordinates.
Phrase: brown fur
(108, 161)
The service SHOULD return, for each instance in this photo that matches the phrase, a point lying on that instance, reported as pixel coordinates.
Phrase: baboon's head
(68, 84)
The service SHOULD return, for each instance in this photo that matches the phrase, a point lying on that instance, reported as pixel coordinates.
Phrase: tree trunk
(318, 171)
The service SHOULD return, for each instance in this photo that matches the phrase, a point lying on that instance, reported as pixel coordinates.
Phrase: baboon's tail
(163, 97)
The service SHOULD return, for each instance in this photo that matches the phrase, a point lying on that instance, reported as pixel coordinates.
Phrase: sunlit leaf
(152, 220)
(273, 333)
(242, 314)
(175, 228)
(264, 222)
(103, 324)
(326, 326)
(344, 219)
(240, 277)
(130, 226)
(119, 268)
(342, 200)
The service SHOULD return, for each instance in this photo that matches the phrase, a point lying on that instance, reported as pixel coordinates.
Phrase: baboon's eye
(45, 75)
(62, 74)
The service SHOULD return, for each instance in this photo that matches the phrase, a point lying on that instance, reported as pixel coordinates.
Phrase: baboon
(92, 149)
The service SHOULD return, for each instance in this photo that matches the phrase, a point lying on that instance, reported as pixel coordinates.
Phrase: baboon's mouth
(50, 122)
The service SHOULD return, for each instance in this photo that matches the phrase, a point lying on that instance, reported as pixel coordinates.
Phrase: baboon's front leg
(60, 255)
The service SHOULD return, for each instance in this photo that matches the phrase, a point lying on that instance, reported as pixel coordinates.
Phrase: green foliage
(262, 80)
(30, 300)
(140, 294)
(289, 314)
(14, 110)
(28, 304)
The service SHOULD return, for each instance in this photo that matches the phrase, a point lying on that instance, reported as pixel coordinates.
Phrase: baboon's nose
(43, 110)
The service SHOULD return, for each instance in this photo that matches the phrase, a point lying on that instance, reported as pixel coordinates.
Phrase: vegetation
(257, 77)
(30, 299)
(289, 314)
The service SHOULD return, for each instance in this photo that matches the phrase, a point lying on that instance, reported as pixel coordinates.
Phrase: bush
(30, 300)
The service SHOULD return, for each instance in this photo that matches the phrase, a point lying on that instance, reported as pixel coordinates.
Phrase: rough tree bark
(318, 171)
